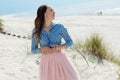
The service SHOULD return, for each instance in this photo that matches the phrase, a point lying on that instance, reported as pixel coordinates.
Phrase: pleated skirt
(57, 66)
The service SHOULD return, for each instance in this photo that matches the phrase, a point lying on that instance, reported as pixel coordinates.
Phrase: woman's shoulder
(58, 25)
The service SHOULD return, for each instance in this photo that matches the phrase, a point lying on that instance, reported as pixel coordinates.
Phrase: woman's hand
(48, 50)
(56, 48)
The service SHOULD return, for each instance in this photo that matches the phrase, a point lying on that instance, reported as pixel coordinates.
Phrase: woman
(54, 64)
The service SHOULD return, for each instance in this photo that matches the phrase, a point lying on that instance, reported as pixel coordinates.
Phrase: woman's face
(49, 14)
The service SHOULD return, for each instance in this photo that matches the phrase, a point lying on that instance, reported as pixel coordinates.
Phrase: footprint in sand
(11, 74)
(24, 70)
(1, 68)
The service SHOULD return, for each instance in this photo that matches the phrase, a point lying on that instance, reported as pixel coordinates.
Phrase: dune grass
(94, 45)
(1, 25)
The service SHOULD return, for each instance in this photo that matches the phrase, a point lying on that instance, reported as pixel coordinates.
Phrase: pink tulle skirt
(57, 66)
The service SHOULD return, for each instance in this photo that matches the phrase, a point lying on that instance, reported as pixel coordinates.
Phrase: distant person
(54, 64)
(101, 13)
(98, 13)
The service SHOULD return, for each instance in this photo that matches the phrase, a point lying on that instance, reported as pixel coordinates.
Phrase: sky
(61, 7)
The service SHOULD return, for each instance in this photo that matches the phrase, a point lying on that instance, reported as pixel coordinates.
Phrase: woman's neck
(47, 24)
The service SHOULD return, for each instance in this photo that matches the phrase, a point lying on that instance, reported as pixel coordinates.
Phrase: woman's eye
(51, 10)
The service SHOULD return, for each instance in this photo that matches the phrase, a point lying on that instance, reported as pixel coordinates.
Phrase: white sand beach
(17, 62)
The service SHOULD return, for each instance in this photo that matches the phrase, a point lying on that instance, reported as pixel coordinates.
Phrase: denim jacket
(53, 37)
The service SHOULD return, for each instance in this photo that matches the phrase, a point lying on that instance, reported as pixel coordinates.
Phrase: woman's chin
(53, 18)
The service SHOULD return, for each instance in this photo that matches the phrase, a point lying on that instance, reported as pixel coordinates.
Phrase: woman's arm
(34, 45)
(42, 49)
(66, 37)
(59, 47)
(68, 41)
(45, 50)
(48, 50)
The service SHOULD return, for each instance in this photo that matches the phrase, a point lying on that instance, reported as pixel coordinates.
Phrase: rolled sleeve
(66, 36)
(34, 45)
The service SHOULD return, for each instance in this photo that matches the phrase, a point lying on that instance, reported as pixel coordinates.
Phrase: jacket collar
(51, 27)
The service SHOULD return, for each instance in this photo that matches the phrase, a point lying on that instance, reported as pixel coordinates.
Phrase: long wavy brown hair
(39, 21)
